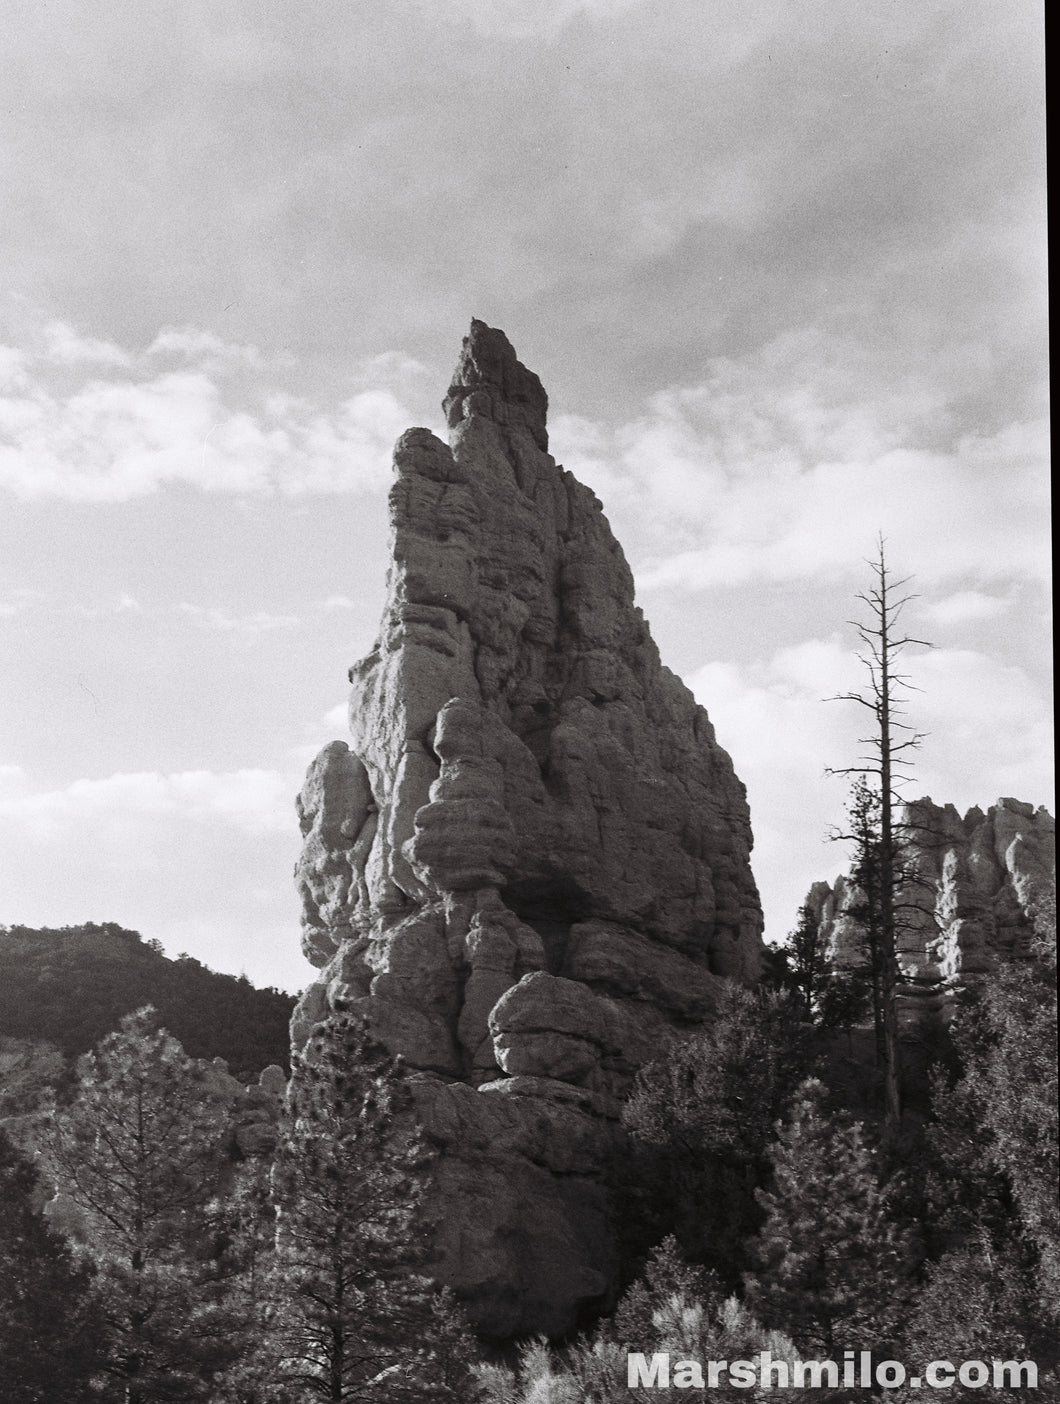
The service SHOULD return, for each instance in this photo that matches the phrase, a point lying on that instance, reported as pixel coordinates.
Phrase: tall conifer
(829, 1264)
(352, 1317)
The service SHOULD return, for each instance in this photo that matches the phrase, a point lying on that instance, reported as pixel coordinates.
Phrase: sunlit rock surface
(529, 867)
(981, 887)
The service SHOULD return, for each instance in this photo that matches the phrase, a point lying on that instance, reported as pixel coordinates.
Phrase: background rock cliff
(530, 867)
(981, 888)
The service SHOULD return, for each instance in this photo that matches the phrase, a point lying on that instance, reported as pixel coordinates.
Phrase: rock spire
(529, 867)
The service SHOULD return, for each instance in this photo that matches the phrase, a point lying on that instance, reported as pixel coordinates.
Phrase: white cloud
(113, 809)
(15, 601)
(65, 347)
(260, 622)
(205, 349)
(785, 464)
(112, 426)
(965, 607)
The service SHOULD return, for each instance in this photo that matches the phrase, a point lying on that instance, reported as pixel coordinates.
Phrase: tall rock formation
(531, 866)
(982, 887)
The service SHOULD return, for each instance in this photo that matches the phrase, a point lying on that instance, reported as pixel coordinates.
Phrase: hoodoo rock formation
(530, 868)
(981, 889)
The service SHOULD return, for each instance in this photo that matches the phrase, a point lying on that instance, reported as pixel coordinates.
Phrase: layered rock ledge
(529, 868)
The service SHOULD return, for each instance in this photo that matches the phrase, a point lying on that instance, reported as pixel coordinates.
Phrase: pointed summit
(491, 380)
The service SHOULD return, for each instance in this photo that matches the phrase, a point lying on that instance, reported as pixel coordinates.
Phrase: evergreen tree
(829, 1264)
(351, 1317)
(137, 1154)
(701, 1121)
(991, 1218)
(808, 961)
(241, 1224)
(51, 1331)
(831, 999)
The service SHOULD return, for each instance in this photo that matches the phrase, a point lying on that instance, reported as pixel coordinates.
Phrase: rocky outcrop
(529, 868)
(981, 889)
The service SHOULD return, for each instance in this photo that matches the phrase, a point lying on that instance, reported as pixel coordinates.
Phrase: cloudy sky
(780, 268)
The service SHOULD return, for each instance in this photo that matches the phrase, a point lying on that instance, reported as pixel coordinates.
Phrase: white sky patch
(989, 730)
(987, 734)
(337, 602)
(337, 717)
(514, 19)
(124, 604)
(16, 600)
(12, 779)
(260, 622)
(236, 834)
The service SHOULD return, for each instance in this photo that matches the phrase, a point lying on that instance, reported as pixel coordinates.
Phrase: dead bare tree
(884, 765)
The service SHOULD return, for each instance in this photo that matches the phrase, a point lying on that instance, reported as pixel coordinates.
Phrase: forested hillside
(70, 987)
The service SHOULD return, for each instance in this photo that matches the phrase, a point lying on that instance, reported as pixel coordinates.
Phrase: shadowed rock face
(983, 885)
(530, 867)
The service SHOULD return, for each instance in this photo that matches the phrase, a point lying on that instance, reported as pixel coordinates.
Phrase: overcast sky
(780, 268)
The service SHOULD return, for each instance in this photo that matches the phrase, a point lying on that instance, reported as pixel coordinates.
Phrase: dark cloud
(635, 188)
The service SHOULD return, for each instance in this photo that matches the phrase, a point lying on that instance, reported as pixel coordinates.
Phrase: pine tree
(241, 1224)
(351, 1316)
(137, 1154)
(829, 1264)
(992, 1221)
(867, 875)
(808, 961)
(51, 1331)
(700, 1121)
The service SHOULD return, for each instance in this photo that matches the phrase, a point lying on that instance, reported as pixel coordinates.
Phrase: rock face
(530, 868)
(984, 886)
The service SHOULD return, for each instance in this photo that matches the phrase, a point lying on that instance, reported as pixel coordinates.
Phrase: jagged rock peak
(491, 380)
(530, 867)
(981, 890)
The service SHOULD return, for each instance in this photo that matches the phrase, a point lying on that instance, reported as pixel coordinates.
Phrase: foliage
(700, 1122)
(350, 1318)
(241, 1226)
(993, 1280)
(71, 986)
(808, 961)
(829, 1263)
(831, 999)
(136, 1156)
(674, 1308)
(50, 1326)
(978, 1302)
(667, 1274)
